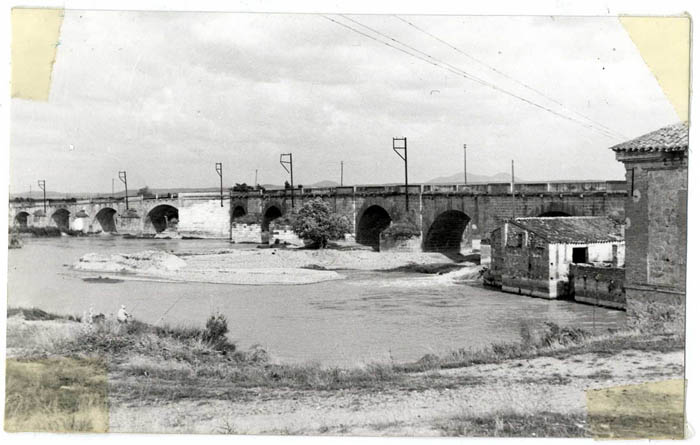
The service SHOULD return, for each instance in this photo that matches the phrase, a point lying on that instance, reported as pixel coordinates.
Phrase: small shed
(531, 256)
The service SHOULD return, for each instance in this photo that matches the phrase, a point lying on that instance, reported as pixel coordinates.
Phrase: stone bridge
(188, 214)
(449, 216)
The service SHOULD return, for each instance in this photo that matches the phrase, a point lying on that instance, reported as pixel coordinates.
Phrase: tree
(242, 187)
(144, 191)
(316, 222)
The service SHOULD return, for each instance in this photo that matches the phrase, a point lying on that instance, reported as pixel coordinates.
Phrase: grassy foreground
(71, 382)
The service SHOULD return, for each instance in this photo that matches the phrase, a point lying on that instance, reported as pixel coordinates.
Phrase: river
(367, 317)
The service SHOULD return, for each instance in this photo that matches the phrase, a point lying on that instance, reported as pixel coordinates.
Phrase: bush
(401, 230)
(555, 334)
(657, 317)
(216, 328)
(316, 222)
(247, 219)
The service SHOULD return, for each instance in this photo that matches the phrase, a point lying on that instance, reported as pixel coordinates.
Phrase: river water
(367, 317)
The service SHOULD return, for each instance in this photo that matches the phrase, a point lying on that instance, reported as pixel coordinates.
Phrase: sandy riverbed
(249, 266)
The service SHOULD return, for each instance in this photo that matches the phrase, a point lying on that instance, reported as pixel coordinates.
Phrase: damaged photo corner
(302, 225)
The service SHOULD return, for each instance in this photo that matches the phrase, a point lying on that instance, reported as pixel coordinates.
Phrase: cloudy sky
(166, 95)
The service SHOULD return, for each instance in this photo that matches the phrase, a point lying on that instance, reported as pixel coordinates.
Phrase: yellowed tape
(664, 44)
(653, 410)
(35, 39)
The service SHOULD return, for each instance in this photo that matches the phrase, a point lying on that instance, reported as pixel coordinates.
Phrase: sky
(166, 95)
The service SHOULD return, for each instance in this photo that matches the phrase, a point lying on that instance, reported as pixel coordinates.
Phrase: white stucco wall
(205, 218)
(560, 256)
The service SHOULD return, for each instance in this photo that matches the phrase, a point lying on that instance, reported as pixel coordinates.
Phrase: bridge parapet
(493, 188)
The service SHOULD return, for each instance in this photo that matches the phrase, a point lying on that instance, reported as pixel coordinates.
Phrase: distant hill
(458, 178)
(325, 183)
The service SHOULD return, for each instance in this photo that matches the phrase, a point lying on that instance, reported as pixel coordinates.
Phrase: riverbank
(162, 379)
(259, 266)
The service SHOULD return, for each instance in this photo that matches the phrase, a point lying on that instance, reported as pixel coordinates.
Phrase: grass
(37, 314)
(158, 364)
(58, 395)
(539, 424)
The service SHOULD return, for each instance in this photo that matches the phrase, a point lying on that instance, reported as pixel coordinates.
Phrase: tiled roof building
(531, 256)
(574, 230)
(670, 138)
(656, 214)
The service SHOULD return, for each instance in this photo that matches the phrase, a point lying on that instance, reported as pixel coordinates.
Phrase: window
(515, 240)
(579, 255)
(519, 240)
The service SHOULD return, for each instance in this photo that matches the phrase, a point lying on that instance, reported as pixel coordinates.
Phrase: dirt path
(515, 386)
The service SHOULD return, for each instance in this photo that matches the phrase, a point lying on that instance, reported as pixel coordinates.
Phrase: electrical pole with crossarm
(290, 170)
(122, 178)
(398, 145)
(219, 171)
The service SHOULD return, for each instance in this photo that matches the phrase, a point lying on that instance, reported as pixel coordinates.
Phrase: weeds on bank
(538, 424)
(58, 395)
(167, 362)
(34, 314)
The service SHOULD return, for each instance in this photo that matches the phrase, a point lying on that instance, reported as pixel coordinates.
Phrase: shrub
(316, 222)
(656, 317)
(555, 334)
(216, 328)
(247, 219)
(401, 230)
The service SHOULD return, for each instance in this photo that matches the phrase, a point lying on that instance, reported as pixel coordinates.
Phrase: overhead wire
(458, 71)
(507, 76)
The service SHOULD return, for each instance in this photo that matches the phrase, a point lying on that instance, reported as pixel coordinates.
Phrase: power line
(459, 72)
(510, 77)
(463, 73)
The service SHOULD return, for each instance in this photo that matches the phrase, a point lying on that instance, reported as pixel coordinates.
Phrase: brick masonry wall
(406, 245)
(656, 223)
(526, 265)
(603, 286)
(246, 233)
(666, 257)
(283, 234)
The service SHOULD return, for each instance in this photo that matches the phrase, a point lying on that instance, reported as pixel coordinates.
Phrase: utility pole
(122, 178)
(219, 171)
(256, 177)
(42, 185)
(289, 170)
(341, 173)
(465, 164)
(398, 145)
(30, 191)
(112, 188)
(512, 184)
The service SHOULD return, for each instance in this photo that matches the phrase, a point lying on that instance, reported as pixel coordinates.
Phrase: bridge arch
(238, 211)
(163, 216)
(272, 212)
(446, 232)
(106, 219)
(21, 219)
(61, 218)
(552, 214)
(372, 222)
(554, 209)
